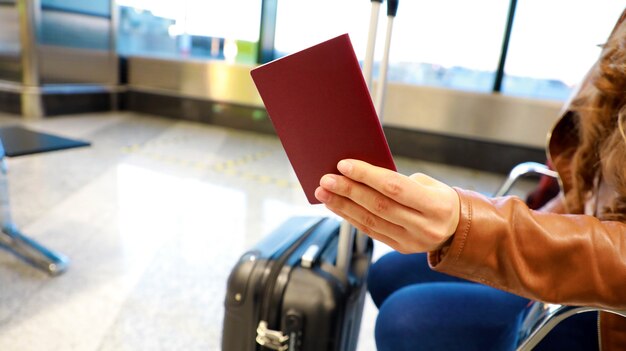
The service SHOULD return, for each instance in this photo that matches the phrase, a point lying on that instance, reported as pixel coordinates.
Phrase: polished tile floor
(153, 215)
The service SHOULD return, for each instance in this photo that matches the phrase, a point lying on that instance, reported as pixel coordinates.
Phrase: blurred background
(166, 168)
(472, 74)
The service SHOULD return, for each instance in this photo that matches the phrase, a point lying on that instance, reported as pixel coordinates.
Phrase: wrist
(443, 249)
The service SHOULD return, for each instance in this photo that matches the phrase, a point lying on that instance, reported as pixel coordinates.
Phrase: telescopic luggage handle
(379, 97)
(371, 43)
(347, 233)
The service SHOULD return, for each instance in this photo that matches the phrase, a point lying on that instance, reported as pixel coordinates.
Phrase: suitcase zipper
(272, 339)
(275, 339)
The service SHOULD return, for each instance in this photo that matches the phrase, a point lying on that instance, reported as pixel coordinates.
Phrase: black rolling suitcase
(303, 287)
(288, 293)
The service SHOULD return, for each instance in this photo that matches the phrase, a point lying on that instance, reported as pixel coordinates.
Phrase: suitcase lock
(272, 339)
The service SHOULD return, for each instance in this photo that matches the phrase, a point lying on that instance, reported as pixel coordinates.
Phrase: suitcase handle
(371, 41)
(392, 7)
(379, 96)
(344, 250)
(328, 231)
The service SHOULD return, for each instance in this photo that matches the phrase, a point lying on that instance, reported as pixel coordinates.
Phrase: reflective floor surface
(153, 215)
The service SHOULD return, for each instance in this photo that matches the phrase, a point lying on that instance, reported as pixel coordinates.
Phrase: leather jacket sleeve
(565, 259)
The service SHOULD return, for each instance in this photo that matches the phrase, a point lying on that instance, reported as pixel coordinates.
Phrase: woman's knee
(402, 322)
(390, 273)
(395, 271)
(445, 315)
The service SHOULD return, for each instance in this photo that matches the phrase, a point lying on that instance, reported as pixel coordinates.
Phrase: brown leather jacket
(549, 257)
(564, 259)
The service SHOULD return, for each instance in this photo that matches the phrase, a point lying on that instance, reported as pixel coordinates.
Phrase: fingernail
(328, 182)
(321, 194)
(344, 167)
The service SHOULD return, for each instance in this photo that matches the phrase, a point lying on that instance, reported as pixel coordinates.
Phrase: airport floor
(153, 215)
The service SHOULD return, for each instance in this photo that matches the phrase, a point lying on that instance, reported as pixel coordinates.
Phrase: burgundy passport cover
(322, 111)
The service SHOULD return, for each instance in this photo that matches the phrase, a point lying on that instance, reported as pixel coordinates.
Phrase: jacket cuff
(447, 258)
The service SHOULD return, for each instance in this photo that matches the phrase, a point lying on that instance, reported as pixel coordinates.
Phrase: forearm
(564, 259)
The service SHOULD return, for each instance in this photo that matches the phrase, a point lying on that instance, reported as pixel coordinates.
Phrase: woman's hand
(410, 214)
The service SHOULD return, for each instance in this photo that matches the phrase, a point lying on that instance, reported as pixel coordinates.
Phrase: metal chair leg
(541, 318)
(12, 239)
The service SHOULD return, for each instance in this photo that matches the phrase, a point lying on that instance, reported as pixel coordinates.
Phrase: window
(190, 28)
(450, 43)
(300, 23)
(76, 24)
(554, 43)
(98, 8)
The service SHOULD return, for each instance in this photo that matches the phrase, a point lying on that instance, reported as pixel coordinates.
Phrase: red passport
(322, 111)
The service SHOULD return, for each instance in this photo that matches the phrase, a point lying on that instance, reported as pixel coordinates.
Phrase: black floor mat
(20, 141)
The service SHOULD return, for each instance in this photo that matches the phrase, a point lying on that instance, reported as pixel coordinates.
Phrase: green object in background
(247, 52)
(259, 115)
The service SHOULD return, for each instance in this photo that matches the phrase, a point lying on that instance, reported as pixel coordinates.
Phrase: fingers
(369, 231)
(348, 208)
(400, 188)
(410, 214)
(419, 192)
(372, 200)
(397, 236)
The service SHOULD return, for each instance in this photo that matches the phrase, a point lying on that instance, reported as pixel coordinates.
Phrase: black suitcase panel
(287, 293)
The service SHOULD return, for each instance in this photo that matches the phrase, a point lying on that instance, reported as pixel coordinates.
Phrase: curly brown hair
(601, 153)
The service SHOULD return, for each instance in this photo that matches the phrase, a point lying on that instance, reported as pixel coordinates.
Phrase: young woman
(572, 251)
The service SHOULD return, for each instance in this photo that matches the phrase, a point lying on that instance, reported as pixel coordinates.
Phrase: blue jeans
(420, 309)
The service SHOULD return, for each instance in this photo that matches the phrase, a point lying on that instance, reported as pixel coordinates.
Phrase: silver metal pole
(29, 12)
(344, 249)
(379, 101)
(371, 42)
(115, 80)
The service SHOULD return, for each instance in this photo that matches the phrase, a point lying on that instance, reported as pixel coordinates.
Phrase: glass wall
(453, 44)
(10, 48)
(300, 23)
(208, 29)
(75, 43)
(448, 43)
(457, 44)
(553, 44)
(76, 24)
